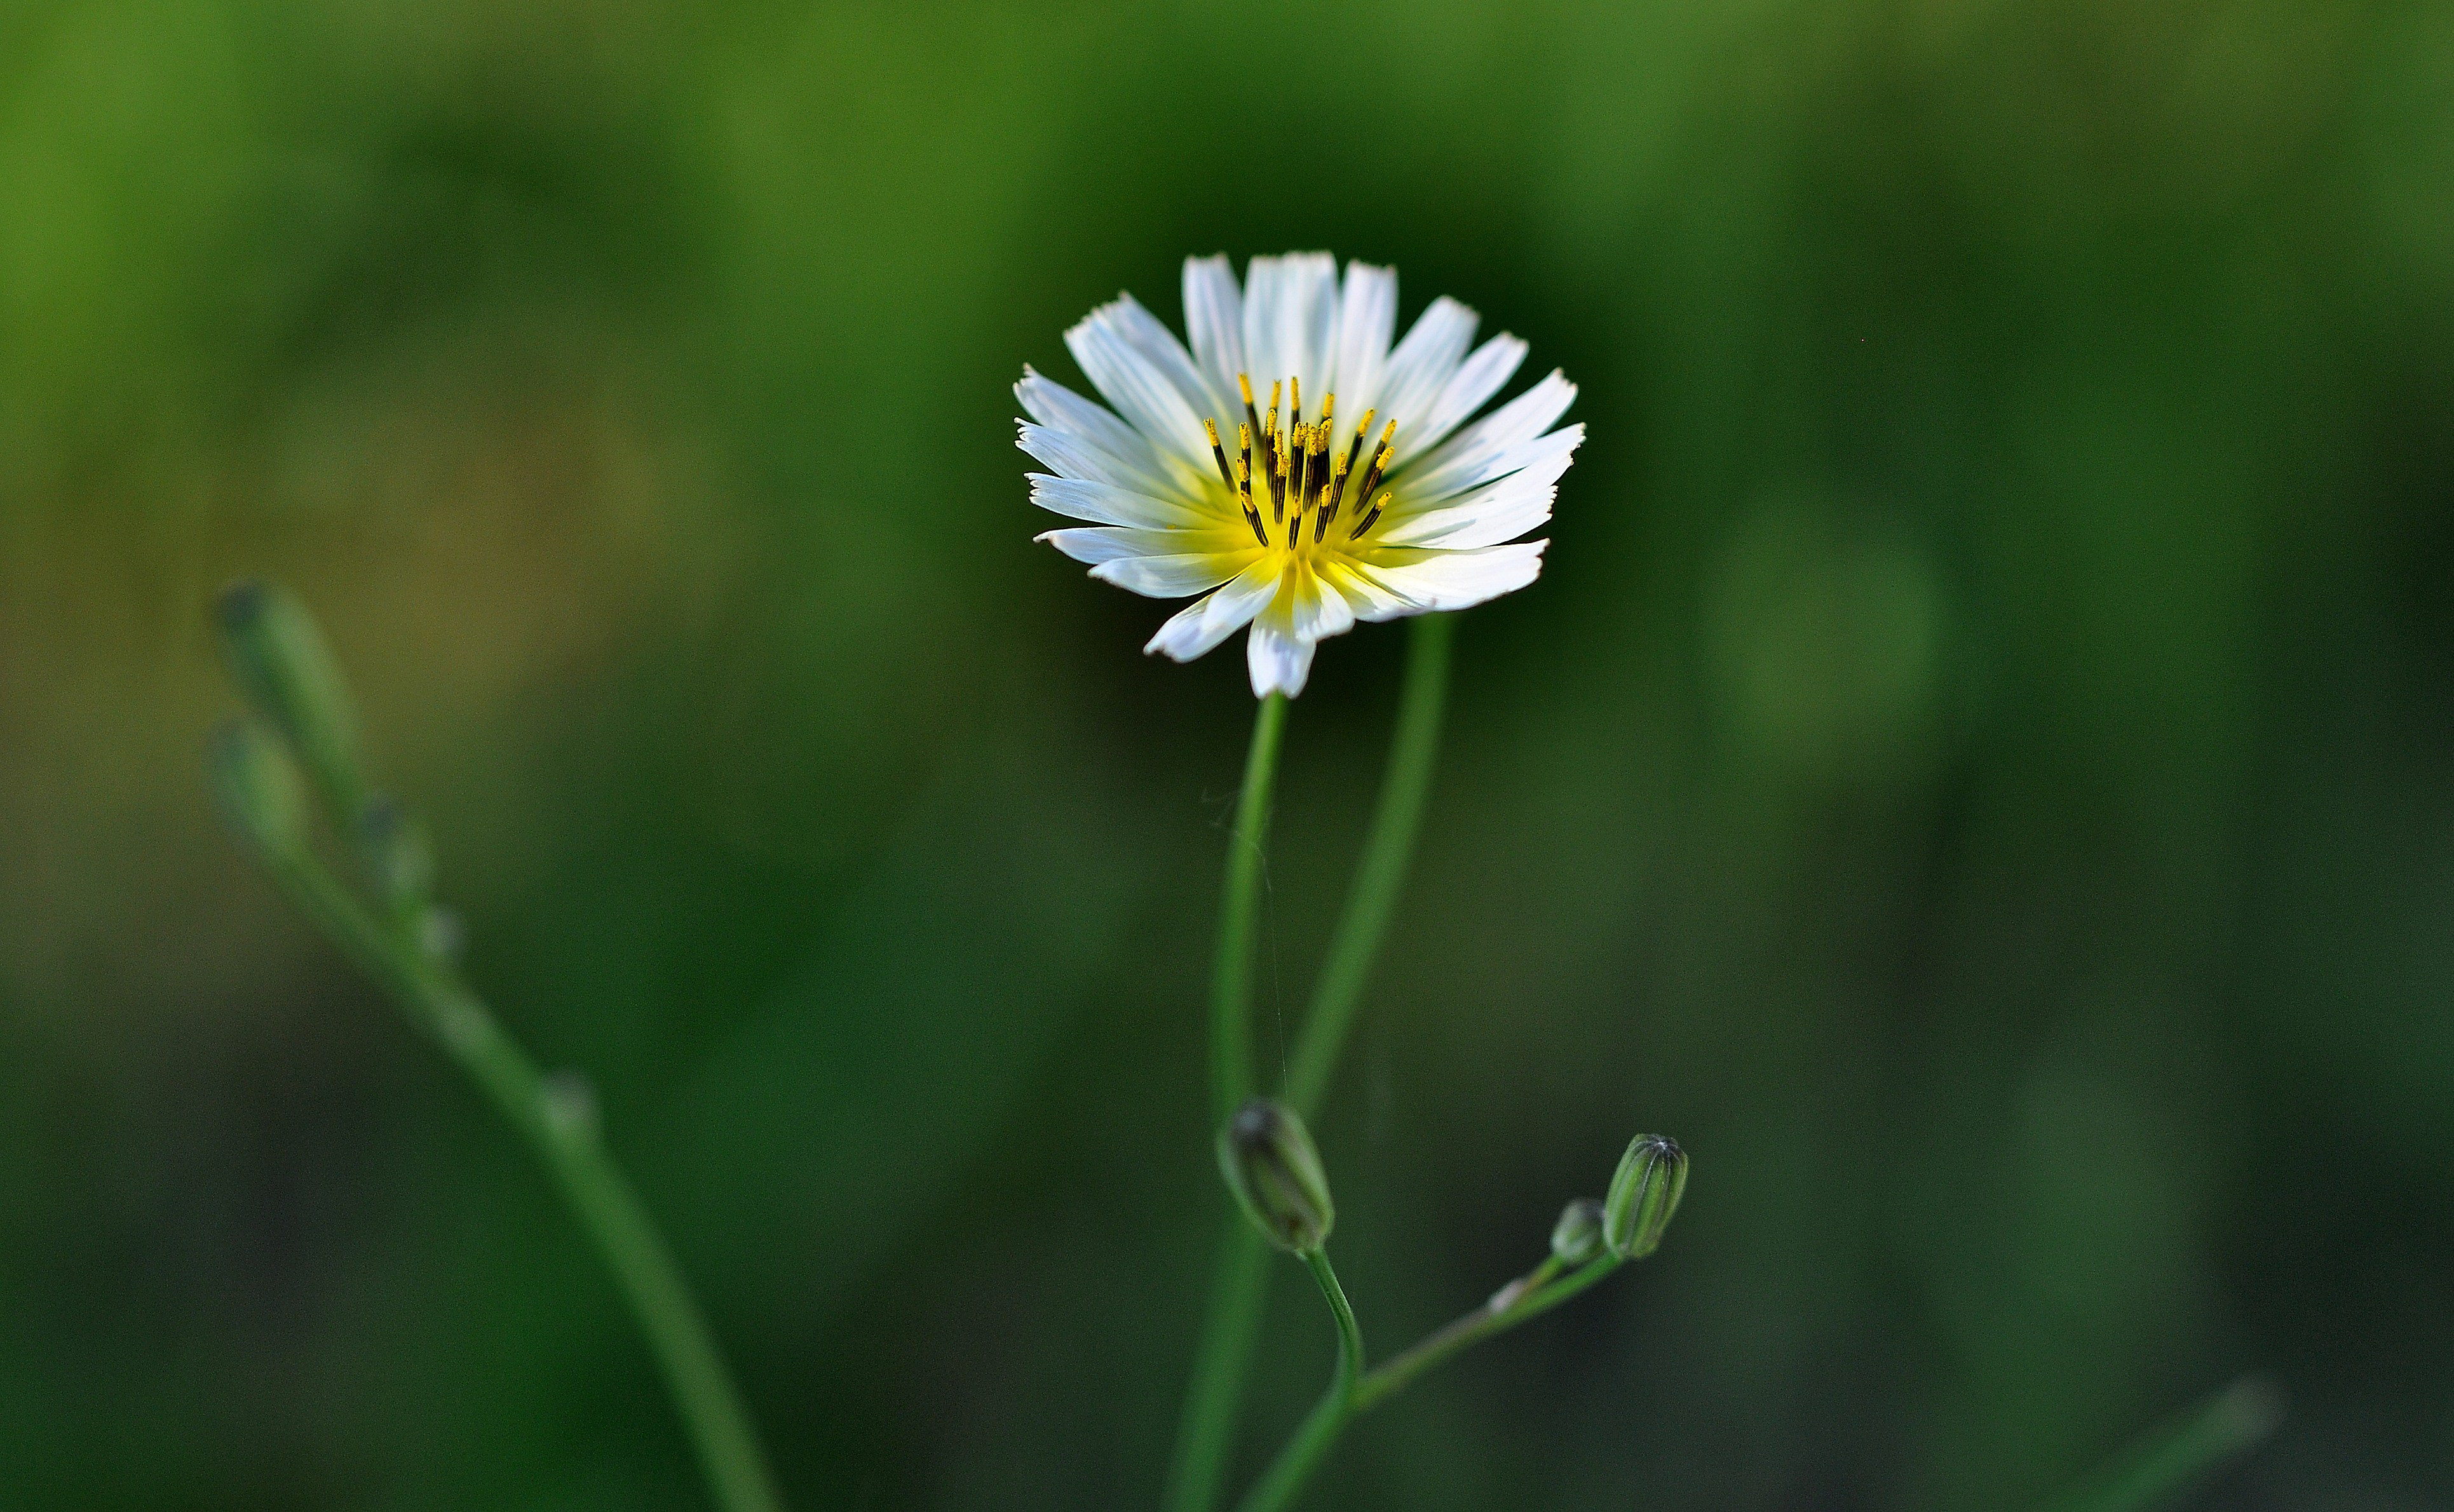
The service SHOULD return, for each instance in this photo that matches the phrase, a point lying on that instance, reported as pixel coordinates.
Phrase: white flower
(1196, 489)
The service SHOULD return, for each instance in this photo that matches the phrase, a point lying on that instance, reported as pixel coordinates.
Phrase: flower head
(1294, 466)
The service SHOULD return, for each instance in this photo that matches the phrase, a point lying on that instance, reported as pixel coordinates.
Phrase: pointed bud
(1271, 1167)
(1644, 1195)
(1576, 1238)
(257, 787)
(287, 673)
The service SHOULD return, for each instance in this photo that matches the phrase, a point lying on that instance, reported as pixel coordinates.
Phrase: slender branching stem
(1337, 1405)
(1225, 1351)
(563, 1132)
(2181, 1452)
(1516, 1303)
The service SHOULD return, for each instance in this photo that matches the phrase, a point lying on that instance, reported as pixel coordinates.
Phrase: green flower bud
(1576, 1238)
(1271, 1167)
(257, 787)
(1651, 1177)
(286, 671)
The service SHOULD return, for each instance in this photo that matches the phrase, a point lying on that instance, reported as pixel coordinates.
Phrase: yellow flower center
(1303, 471)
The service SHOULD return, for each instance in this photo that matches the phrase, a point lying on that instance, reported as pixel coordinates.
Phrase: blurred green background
(1978, 767)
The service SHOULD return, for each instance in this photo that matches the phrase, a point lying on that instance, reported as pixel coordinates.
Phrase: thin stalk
(2227, 1425)
(1329, 1419)
(1528, 1297)
(1225, 1351)
(600, 1195)
(1397, 816)
(1531, 1297)
(1208, 1428)
(1239, 907)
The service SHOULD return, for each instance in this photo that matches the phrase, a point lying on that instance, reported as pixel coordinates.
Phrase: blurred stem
(565, 1138)
(2227, 1425)
(1337, 1405)
(1387, 847)
(1220, 1362)
(1231, 977)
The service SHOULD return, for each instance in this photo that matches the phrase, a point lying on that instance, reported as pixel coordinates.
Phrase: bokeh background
(1979, 769)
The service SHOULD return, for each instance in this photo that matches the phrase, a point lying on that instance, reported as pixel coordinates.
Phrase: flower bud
(1651, 1177)
(1576, 1238)
(257, 787)
(1271, 1167)
(281, 665)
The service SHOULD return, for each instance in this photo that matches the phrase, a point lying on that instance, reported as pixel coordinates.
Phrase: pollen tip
(1243, 381)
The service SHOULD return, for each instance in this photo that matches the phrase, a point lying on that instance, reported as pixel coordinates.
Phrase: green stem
(1207, 1429)
(1226, 1348)
(1205, 1433)
(2229, 1423)
(1240, 906)
(1387, 847)
(1532, 1296)
(1336, 1407)
(565, 1139)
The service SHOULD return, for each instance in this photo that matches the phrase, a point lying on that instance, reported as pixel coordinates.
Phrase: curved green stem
(1240, 906)
(565, 1138)
(2230, 1423)
(1531, 1297)
(1329, 1419)
(1414, 750)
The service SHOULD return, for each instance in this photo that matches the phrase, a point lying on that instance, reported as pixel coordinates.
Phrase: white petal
(1071, 456)
(1112, 543)
(1174, 576)
(1278, 661)
(1367, 315)
(1261, 283)
(1491, 525)
(1214, 318)
(1514, 504)
(1315, 610)
(1290, 316)
(1520, 420)
(1467, 391)
(1368, 594)
(1195, 631)
(1060, 408)
(1437, 579)
(1422, 366)
(1150, 336)
(1148, 399)
(1477, 465)
(1106, 504)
